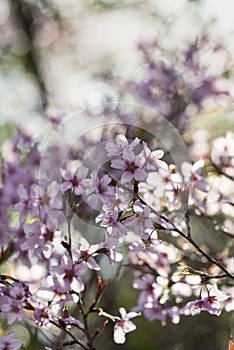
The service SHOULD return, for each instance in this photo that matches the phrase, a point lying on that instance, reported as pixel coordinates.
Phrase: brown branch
(190, 240)
(77, 341)
(86, 326)
(6, 253)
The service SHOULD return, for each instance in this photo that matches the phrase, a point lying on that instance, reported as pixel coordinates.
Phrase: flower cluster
(137, 200)
(177, 82)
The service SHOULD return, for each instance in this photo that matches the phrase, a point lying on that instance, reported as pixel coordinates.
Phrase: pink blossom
(8, 343)
(76, 181)
(108, 248)
(46, 200)
(72, 322)
(151, 290)
(112, 223)
(13, 309)
(149, 300)
(131, 165)
(24, 206)
(124, 325)
(101, 186)
(211, 303)
(12, 301)
(152, 159)
(222, 153)
(117, 149)
(140, 220)
(40, 239)
(85, 254)
(194, 175)
(67, 275)
(164, 189)
(42, 316)
(153, 310)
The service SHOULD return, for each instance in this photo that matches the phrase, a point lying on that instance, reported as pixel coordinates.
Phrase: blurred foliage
(6, 131)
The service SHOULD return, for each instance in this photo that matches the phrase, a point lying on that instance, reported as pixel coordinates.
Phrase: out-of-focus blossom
(40, 239)
(8, 343)
(42, 316)
(181, 87)
(71, 321)
(194, 176)
(222, 153)
(12, 301)
(46, 200)
(117, 149)
(25, 205)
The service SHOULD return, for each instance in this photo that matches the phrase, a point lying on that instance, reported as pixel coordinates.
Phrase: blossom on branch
(152, 159)
(131, 165)
(76, 181)
(211, 303)
(124, 325)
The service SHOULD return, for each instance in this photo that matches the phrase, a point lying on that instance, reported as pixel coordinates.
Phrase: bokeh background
(58, 57)
(55, 55)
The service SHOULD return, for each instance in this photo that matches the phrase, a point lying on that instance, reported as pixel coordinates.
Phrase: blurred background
(58, 57)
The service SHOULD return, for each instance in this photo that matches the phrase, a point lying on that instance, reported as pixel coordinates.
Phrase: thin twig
(200, 250)
(86, 326)
(69, 236)
(221, 172)
(190, 240)
(70, 334)
(187, 220)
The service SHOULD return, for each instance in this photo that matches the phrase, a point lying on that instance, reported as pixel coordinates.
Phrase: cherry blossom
(211, 303)
(102, 187)
(131, 166)
(222, 153)
(124, 325)
(143, 227)
(194, 175)
(85, 254)
(25, 206)
(112, 223)
(152, 159)
(141, 219)
(42, 316)
(8, 343)
(76, 181)
(108, 248)
(12, 301)
(117, 149)
(67, 275)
